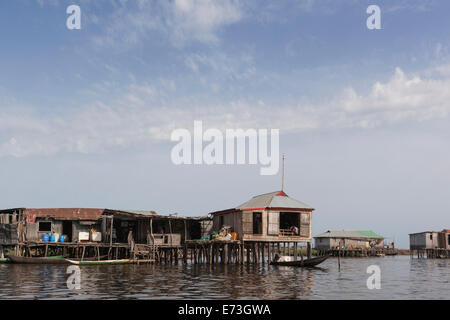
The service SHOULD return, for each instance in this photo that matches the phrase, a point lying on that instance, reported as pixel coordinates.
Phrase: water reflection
(402, 278)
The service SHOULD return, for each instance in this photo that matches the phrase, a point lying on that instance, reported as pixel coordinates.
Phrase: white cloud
(140, 116)
(180, 21)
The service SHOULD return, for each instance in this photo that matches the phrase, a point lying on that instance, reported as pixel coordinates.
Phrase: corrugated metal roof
(11, 210)
(350, 234)
(65, 213)
(369, 234)
(277, 199)
(151, 213)
(141, 212)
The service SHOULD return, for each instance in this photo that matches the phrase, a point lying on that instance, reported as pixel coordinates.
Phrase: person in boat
(278, 258)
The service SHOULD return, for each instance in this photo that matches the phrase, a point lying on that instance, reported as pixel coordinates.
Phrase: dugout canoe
(99, 262)
(36, 260)
(304, 264)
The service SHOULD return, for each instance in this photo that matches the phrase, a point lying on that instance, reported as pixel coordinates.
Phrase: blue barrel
(45, 237)
(61, 238)
(52, 238)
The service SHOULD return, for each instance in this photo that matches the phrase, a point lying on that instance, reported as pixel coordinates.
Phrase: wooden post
(262, 253)
(185, 253)
(339, 257)
(295, 251)
(111, 231)
(195, 254)
(225, 253)
(309, 251)
(170, 230)
(248, 254)
(210, 254)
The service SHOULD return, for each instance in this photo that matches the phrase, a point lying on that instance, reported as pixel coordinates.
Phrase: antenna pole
(282, 174)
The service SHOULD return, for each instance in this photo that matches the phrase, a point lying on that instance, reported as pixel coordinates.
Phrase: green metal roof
(369, 234)
(366, 234)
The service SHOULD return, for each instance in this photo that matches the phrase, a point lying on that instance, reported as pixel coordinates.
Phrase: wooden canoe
(35, 260)
(305, 263)
(89, 263)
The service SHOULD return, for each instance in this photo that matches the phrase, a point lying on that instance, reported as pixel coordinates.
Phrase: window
(220, 221)
(449, 239)
(289, 220)
(431, 236)
(290, 224)
(257, 223)
(45, 226)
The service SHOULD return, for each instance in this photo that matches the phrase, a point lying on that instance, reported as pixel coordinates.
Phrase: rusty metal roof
(65, 213)
(88, 214)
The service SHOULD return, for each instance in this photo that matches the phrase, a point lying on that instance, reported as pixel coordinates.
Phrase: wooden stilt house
(268, 217)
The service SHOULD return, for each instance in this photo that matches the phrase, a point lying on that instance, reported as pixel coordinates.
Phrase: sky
(86, 115)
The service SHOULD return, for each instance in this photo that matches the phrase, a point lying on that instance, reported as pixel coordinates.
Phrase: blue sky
(86, 115)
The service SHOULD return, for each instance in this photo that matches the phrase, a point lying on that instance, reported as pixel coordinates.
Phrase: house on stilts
(263, 226)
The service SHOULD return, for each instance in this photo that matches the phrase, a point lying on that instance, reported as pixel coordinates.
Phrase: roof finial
(282, 173)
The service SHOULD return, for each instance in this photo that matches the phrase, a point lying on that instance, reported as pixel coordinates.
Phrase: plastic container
(52, 238)
(56, 237)
(96, 236)
(234, 236)
(83, 236)
(62, 238)
(45, 237)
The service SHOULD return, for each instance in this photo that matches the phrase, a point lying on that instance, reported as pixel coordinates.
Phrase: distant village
(255, 231)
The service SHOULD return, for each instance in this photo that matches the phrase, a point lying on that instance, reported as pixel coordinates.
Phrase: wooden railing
(287, 233)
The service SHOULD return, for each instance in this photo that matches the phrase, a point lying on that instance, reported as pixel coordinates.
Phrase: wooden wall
(242, 223)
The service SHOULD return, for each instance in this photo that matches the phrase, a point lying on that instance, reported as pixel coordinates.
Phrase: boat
(37, 260)
(304, 264)
(4, 260)
(97, 262)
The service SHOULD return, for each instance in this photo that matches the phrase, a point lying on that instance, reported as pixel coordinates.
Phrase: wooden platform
(79, 250)
(239, 252)
(359, 252)
(193, 251)
(431, 253)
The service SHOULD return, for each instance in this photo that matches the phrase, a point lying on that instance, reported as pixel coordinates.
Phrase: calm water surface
(402, 278)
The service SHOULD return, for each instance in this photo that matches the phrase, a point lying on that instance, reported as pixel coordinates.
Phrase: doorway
(67, 230)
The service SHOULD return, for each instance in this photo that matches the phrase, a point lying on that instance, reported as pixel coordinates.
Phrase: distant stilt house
(268, 217)
(430, 240)
(331, 240)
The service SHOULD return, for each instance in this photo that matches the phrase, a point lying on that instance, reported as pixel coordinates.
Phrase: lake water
(401, 278)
